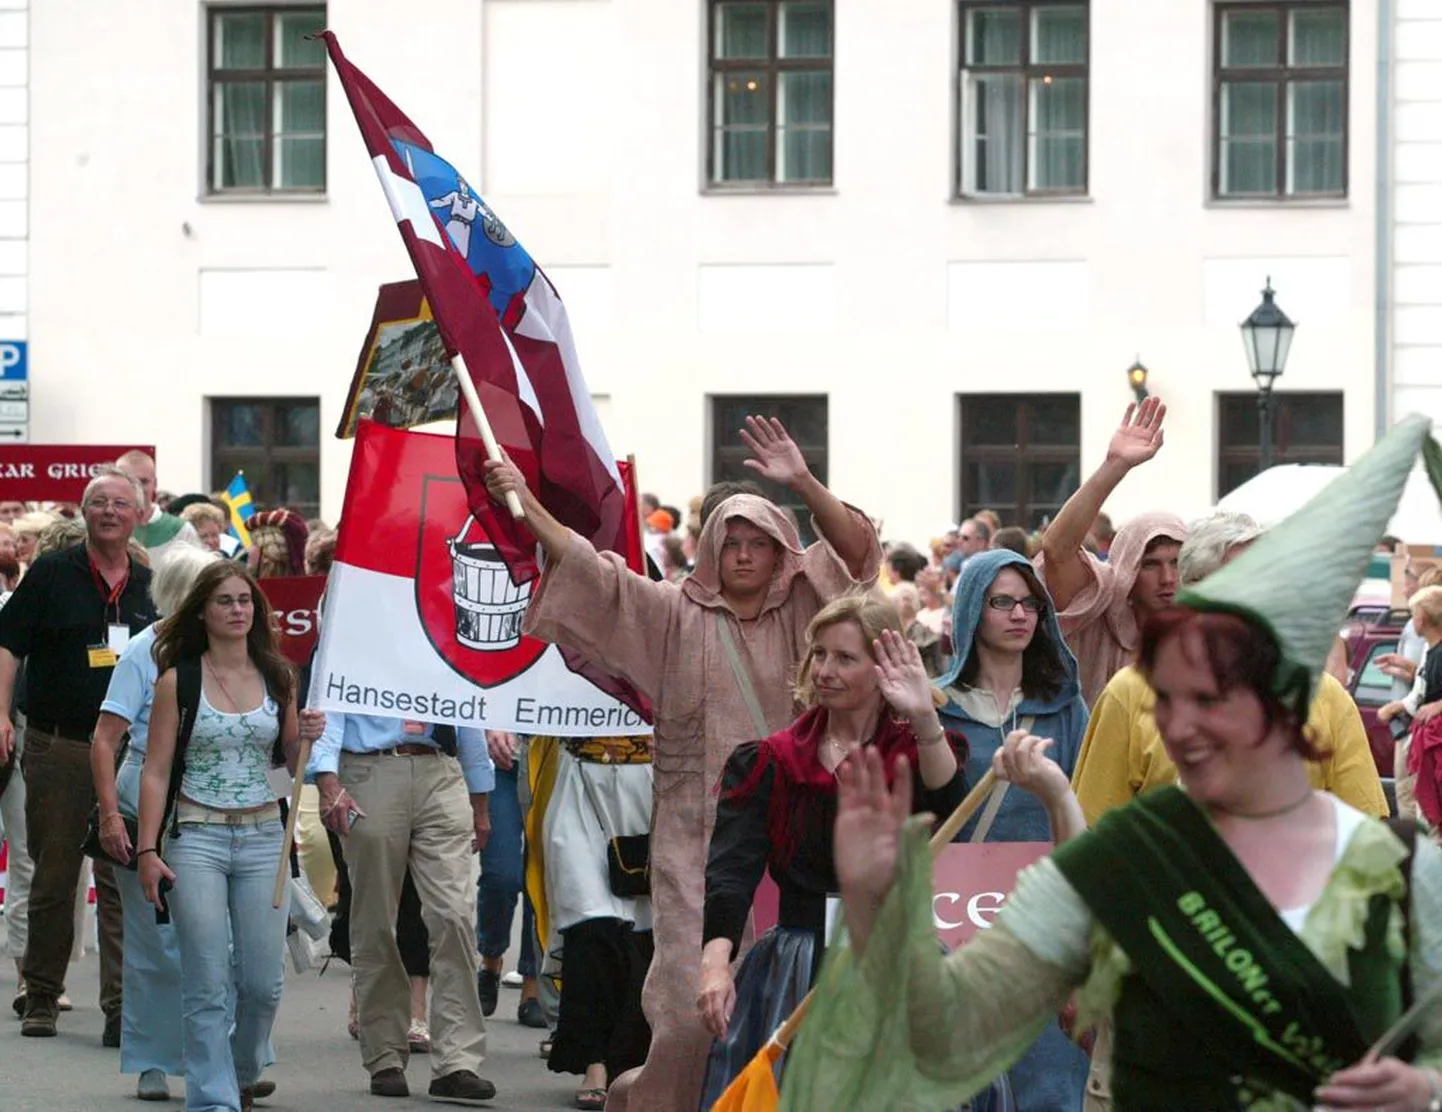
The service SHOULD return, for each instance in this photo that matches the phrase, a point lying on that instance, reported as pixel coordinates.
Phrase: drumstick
(1406, 1024)
(944, 834)
(282, 872)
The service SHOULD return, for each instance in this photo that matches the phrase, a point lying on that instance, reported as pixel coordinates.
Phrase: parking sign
(14, 361)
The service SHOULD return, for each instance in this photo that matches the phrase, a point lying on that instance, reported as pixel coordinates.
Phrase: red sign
(295, 613)
(970, 884)
(55, 472)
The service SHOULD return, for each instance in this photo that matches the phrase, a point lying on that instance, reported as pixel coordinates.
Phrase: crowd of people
(809, 700)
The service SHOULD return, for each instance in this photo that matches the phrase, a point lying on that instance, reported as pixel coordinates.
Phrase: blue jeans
(224, 878)
(503, 878)
(150, 1037)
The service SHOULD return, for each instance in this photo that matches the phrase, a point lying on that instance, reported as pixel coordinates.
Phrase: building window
(276, 442)
(1306, 428)
(1022, 99)
(266, 100)
(1020, 455)
(1280, 100)
(771, 100)
(805, 419)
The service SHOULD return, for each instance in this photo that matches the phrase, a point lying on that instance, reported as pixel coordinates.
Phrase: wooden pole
(282, 872)
(943, 836)
(488, 437)
(640, 525)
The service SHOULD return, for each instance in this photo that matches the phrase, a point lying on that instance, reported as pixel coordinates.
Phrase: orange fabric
(754, 1089)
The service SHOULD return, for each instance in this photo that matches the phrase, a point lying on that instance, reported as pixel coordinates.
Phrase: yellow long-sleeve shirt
(1122, 755)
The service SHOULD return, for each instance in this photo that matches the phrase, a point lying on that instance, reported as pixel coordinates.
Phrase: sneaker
(418, 1038)
(390, 1083)
(488, 984)
(111, 1038)
(461, 1087)
(263, 1089)
(19, 1002)
(152, 1086)
(513, 979)
(531, 1014)
(63, 1003)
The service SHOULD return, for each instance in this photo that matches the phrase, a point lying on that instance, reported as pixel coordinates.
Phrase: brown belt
(409, 749)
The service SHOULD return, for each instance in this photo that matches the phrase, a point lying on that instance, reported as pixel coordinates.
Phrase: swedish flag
(237, 498)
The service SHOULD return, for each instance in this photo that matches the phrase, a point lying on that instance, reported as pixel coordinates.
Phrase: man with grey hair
(157, 530)
(71, 617)
(1122, 755)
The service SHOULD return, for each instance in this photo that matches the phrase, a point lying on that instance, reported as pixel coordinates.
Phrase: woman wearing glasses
(1011, 670)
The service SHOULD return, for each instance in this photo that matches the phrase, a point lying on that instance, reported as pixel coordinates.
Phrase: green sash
(1226, 1004)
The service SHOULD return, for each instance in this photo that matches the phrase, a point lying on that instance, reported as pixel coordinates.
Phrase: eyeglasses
(225, 602)
(1031, 604)
(119, 505)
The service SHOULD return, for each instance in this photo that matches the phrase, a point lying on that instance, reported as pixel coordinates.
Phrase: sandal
(546, 1047)
(591, 1098)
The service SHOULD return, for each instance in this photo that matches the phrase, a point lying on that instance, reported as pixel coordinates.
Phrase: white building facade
(934, 237)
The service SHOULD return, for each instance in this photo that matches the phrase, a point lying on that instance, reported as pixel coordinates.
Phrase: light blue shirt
(132, 687)
(367, 733)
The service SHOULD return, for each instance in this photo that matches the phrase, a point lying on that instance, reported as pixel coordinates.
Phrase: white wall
(582, 122)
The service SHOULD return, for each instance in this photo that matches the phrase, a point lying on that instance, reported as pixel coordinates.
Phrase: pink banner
(295, 605)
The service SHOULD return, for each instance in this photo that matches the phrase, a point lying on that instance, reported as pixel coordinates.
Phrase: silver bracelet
(927, 742)
(1435, 1083)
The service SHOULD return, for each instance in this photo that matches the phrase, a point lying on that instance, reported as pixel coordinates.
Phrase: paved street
(319, 1066)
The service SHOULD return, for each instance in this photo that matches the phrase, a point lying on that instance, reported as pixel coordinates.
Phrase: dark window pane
(1319, 37)
(241, 425)
(993, 37)
(740, 31)
(298, 426)
(1311, 420)
(990, 421)
(239, 40)
(805, 29)
(1234, 473)
(988, 482)
(296, 483)
(1249, 39)
(1239, 423)
(291, 46)
(1059, 35)
(1054, 420)
(1053, 483)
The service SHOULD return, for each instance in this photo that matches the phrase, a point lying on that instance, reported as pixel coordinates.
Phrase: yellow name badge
(102, 656)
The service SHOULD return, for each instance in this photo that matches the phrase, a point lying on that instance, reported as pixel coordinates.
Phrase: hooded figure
(1048, 703)
(714, 681)
(1100, 623)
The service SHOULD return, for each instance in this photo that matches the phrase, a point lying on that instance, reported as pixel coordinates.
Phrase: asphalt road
(319, 1067)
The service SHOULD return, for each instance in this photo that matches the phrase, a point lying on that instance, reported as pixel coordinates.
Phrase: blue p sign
(14, 361)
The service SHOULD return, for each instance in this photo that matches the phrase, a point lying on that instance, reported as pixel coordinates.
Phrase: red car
(1370, 634)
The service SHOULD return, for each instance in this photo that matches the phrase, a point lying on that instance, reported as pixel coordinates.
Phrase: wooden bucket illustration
(489, 607)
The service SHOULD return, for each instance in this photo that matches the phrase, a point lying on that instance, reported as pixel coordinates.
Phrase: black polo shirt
(53, 620)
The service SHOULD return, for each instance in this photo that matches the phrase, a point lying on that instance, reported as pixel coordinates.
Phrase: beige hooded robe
(1099, 625)
(664, 638)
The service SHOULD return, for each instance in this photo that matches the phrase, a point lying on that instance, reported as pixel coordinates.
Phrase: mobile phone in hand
(352, 816)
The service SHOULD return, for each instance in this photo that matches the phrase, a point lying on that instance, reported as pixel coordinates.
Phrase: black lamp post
(1267, 336)
(1137, 377)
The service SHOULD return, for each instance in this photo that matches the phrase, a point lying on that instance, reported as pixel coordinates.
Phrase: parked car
(1370, 633)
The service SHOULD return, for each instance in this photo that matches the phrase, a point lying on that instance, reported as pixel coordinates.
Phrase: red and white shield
(467, 603)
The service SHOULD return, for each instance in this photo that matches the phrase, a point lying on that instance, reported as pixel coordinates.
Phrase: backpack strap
(1406, 830)
(187, 698)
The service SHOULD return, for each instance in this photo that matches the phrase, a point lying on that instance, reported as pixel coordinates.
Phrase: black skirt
(603, 966)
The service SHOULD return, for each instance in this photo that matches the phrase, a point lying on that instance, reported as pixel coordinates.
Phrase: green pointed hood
(1298, 580)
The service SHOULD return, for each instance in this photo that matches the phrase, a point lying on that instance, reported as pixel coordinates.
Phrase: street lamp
(1137, 376)
(1267, 336)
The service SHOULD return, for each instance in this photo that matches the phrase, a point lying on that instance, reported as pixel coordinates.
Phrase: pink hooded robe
(664, 638)
(1099, 625)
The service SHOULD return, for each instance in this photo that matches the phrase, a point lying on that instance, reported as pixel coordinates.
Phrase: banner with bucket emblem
(421, 619)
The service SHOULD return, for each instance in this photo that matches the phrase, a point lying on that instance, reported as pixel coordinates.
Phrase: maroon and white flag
(421, 618)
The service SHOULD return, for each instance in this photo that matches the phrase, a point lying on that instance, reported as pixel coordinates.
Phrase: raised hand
(777, 456)
(868, 828)
(1140, 436)
(899, 672)
(1022, 760)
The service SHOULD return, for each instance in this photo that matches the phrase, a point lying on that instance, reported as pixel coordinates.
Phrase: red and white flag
(421, 618)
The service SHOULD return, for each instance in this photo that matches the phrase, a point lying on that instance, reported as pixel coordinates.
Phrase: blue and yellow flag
(237, 500)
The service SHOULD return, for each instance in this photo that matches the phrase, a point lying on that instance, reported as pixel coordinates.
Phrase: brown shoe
(390, 1083)
(40, 1016)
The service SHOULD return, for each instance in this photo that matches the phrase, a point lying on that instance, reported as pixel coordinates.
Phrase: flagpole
(488, 437)
(640, 525)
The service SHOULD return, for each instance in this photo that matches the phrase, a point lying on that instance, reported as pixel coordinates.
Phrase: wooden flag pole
(488, 437)
(944, 834)
(282, 872)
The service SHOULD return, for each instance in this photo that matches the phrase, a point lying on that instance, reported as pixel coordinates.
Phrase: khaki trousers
(418, 813)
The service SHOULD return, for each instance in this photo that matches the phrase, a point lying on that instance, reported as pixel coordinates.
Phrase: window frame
(226, 460)
(1021, 455)
(1027, 71)
(726, 446)
(1283, 451)
(1282, 74)
(272, 75)
(773, 65)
